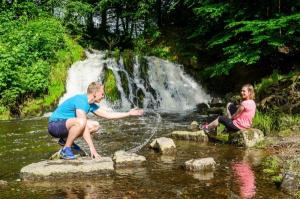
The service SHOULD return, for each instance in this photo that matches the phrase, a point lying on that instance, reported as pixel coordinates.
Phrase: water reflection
(245, 178)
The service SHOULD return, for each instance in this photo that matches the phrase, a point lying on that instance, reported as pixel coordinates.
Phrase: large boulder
(290, 183)
(163, 145)
(125, 159)
(201, 164)
(66, 168)
(198, 136)
(246, 138)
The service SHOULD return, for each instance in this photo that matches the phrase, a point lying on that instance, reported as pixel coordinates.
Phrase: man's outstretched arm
(117, 115)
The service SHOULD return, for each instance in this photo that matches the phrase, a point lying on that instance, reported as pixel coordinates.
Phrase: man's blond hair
(94, 87)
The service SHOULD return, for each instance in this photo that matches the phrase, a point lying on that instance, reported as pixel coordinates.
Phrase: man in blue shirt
(70, 121)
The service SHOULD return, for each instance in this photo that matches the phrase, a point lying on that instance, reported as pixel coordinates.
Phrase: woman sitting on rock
(238, 117)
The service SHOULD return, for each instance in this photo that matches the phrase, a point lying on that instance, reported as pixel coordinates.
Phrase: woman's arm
(238, 112)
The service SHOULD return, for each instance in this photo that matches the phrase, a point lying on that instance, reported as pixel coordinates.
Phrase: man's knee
(81, 123)
(93, 126)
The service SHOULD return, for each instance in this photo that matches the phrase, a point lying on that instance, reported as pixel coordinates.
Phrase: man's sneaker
(67, 154)
(74, 146)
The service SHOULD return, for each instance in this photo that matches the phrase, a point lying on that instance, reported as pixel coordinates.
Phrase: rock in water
(164, 145)
(198, 136)
(125, 159)
(290, 183)
(66, 168)
(246, 138)
(194, 126)
(3, 183)
(201, 164)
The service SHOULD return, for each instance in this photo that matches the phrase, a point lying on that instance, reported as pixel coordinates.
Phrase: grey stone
(66, 168)
(198, 136)
(201, 164)
(194, 126)
(125, 159)
(246, 138)
(290, 183)
(163, 145)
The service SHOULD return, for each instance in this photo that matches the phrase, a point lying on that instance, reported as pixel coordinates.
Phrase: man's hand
(95, 155)
(136, 112)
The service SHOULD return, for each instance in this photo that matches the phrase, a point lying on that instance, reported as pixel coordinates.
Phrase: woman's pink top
(244, 120)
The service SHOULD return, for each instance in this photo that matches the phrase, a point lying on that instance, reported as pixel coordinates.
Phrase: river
(237, 173)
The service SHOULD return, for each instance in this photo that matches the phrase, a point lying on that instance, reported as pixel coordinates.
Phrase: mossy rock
(110, 86)
(128, 60)
(246, 138)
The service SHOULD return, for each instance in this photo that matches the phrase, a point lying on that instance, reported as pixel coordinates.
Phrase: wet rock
(3, 183)
(125, 159)
(201, 164)
(66, 168)
(198, 136)
(194, 126)
(202, 108)
(290, 183)
(246, 138)
(163, 145)
(216, 110)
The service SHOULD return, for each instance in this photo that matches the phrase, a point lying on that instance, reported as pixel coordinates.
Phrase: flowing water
(237, 173)
(169, 97)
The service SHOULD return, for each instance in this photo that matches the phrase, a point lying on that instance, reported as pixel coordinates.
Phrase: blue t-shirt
(68, 108)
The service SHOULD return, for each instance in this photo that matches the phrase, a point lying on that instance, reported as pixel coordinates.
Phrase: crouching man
(69, 121)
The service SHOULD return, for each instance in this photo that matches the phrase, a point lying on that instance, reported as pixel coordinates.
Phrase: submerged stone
(201, 164)
(3, 183)
(163, 145)
(66, 168)
(124, 159)
(198, 136)
(246, 138)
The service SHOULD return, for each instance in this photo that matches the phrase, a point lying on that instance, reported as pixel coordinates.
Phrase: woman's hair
(94, 87)
(251, 90)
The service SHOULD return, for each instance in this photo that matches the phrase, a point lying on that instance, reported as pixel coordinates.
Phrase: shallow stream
(237, 174)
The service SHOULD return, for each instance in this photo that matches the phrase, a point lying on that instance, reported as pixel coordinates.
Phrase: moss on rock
(110, 86)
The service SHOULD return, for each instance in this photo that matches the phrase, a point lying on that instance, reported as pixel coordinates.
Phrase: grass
(272, 123)
(57, 79)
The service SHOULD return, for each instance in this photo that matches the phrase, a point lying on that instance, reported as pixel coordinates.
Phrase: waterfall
(160, 85)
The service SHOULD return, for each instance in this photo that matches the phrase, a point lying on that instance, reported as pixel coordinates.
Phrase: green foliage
(268, 81)
(264, 122)
(28, 53)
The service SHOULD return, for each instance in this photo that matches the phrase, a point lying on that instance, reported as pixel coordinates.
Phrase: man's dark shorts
(58, 129)
(228, 122)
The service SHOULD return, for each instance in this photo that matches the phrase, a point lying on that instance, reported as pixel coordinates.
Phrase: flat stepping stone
(49, 169)
(163, 145)
(201, 164)
(246, 138)
(126, 159)
(198, 136)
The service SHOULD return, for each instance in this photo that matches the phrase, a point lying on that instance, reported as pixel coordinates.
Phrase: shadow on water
(236, 176)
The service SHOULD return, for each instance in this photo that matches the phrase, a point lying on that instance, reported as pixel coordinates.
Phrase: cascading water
(150, 83)
(159, 85)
